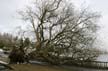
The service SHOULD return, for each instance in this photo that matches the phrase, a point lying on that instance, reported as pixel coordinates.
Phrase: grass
(28, 67)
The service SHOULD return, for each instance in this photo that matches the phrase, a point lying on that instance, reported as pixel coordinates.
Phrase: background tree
(6, 41)
(61, 30)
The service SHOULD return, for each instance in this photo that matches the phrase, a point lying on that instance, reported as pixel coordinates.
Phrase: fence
(94, 64)
(88, 64)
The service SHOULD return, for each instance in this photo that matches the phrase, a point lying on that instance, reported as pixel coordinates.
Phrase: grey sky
(8, 10)
(102, 7)
(8, 20)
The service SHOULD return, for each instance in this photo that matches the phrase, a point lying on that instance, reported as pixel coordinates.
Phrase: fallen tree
(61, 31)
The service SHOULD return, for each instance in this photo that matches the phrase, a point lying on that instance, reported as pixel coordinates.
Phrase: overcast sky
(9, 21)
(102, 7)
(8, 14)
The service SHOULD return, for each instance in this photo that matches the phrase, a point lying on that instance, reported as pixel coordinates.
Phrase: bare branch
(58, 3)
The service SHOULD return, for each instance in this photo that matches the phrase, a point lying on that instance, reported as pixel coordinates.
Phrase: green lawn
(25, 67)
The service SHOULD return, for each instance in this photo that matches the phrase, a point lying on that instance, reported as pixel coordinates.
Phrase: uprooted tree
(61, 30)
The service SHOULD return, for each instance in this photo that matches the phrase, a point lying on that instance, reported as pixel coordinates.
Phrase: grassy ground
(28, 67)
(25, 67)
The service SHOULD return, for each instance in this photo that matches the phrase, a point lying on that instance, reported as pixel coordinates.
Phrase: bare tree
(60, 29)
